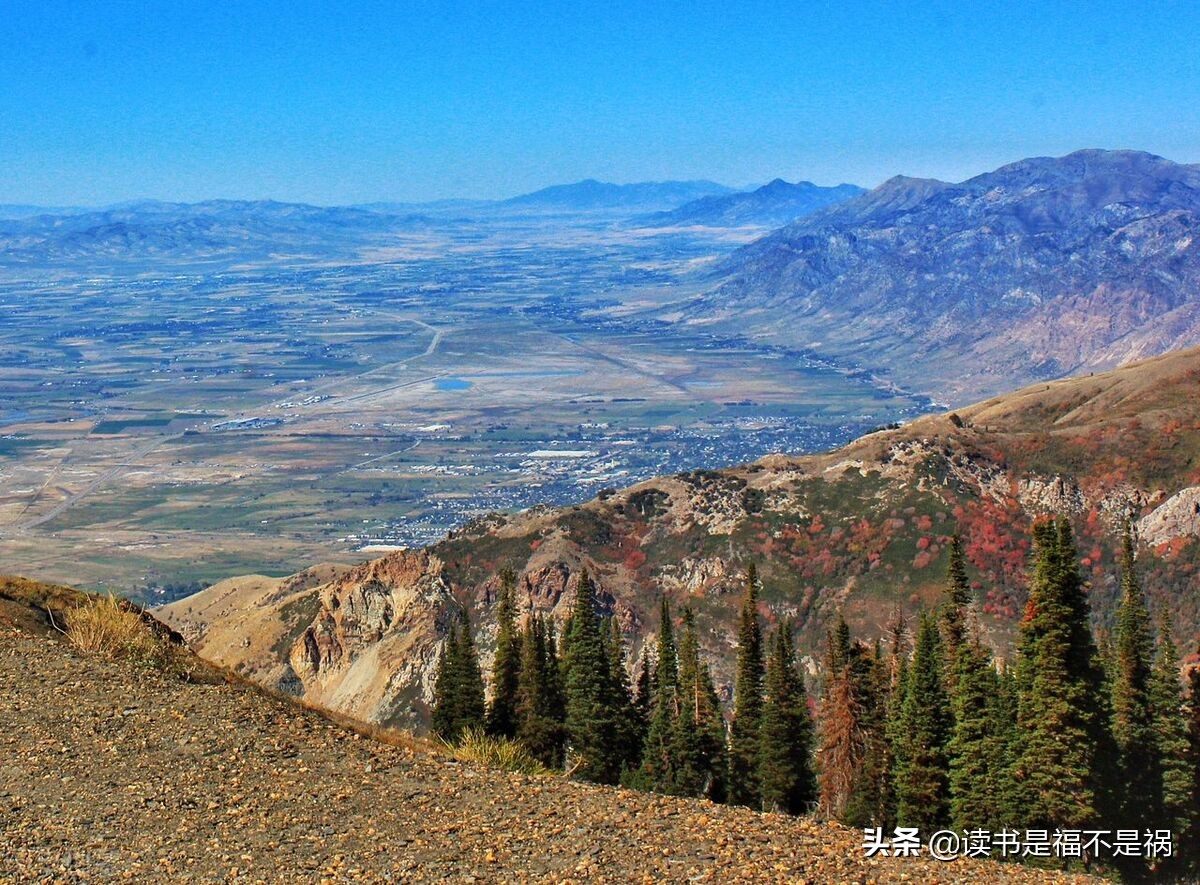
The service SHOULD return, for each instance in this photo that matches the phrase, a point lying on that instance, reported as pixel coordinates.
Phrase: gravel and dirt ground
(109, 773)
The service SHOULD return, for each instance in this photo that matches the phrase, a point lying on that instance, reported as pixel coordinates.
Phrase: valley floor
(107, 772)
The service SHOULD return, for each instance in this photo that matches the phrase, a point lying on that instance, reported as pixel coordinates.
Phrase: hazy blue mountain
(1041, 268)
(772, 205)
(214, 229)
(25, 210)
(591, 195)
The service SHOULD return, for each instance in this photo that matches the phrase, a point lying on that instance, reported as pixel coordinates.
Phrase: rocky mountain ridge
(1041, 268)
(862, 531)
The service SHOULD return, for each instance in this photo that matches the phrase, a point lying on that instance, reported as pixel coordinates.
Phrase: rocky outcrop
(695, 577)
(371, 651)
(1050, 495)
(1177, 517)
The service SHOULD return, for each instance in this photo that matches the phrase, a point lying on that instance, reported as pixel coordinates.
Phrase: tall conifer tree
(697, 752)
(747, 700)
(785, 772)
(539, 710)
(594, 722)
(506, 667)
(921, 781)
(1062, 713)
(1140, 764)
(643, 699)
(840, 738)
(1170, 729)
(627, 736)
(458, 687)
(657, 769)
(871, 799)
(953, 613)
(444, 716)
(1191, 833)
(978, 750)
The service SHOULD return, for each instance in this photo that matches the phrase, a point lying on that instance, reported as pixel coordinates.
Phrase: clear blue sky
(103, 100)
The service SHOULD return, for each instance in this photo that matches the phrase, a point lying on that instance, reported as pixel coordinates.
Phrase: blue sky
(349, 102)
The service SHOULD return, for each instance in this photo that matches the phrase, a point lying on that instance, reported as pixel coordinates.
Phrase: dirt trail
(107, 772)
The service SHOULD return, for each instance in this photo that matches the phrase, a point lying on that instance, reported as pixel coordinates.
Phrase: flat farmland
(159, 429)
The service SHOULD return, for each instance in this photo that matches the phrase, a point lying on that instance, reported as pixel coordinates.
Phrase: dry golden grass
(478, 747)
(103, 626)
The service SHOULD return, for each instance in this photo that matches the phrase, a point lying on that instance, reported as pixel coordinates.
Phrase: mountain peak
(1038, 268)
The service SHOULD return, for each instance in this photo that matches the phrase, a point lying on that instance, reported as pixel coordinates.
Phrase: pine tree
(785, 773)
(921, 781)
(471, 707)
(841, 743)
(1170, 731)
(893, 716)
(626, 738)
(1058, 770)
(594, 724)
(840, 749)
(871, 797)
(539, 706)
(697, 750)
(953, 613)
(748, 700)
(978, 750)
(1140, 765)
(458, 687)
(643, 700)
(1191, 832)
(506, 667)
(444, 717)
(838, 645)
(657, 769)
(1003, 708)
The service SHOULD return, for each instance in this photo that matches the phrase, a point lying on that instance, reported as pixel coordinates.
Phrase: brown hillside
(115, 773)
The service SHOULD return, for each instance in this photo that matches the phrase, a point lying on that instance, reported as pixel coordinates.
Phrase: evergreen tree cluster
(573, 707)
(931, 731)
(945, 736)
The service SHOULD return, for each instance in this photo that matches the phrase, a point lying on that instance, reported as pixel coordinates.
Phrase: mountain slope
(1039, 269)
(861, 530)
(772, 205)
(111, 772)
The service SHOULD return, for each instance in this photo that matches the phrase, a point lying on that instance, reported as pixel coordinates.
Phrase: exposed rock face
(1177, 517)
(372, 649)
(694, 577)
(1049, 496)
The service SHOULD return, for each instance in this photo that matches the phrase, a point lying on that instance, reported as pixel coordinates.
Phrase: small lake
(451, 384)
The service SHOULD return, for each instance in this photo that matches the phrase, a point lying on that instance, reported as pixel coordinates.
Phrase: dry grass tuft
(478, 747)
(103, 626)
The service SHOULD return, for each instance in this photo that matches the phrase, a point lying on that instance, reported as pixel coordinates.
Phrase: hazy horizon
(452, 198)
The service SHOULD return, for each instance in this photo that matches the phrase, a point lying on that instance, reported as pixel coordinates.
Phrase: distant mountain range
(1041, 268)
(262, 229)
(25, 210)
(772, 205)
(209, 230)
(590, 195)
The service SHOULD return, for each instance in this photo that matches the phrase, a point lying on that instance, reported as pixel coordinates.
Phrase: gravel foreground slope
(110, 773)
